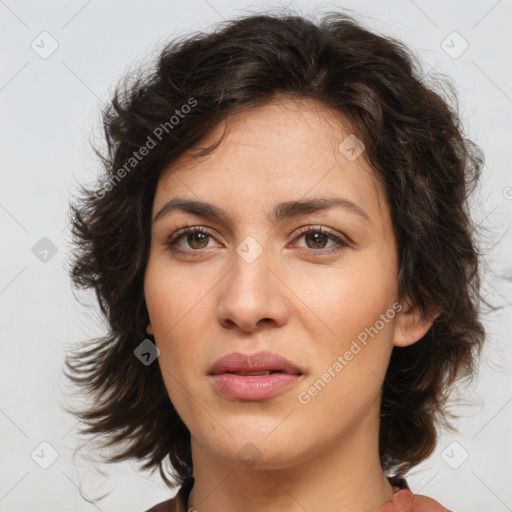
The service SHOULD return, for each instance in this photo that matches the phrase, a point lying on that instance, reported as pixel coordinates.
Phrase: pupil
(193, 239)
(317, 238)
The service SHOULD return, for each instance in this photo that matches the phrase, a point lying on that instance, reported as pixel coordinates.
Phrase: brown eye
(196, 240)
(317, 238)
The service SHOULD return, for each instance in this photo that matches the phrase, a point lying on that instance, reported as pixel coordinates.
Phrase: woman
(282, 249)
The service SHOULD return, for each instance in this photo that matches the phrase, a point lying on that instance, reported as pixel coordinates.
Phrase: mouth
(253, 377)
(252, 374)
(250, 364)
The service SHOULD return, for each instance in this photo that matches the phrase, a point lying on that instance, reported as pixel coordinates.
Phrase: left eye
(317, 238)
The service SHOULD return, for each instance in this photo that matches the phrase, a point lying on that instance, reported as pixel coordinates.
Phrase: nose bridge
(251, 292)
(250, 276)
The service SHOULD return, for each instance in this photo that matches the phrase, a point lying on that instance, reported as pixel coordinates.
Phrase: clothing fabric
(403, 499)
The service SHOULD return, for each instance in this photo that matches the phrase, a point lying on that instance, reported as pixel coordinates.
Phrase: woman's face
(273, 274)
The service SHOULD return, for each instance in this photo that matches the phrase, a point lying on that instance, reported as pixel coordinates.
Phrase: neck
(343, 476)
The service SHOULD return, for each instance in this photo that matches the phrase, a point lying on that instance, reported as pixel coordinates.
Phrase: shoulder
(426, 504)
(171, 505)
(406, 501)
(178, 503)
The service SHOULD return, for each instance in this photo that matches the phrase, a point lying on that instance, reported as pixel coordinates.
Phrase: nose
(252, 294)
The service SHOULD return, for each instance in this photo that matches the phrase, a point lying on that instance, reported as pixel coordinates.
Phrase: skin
(299, 298)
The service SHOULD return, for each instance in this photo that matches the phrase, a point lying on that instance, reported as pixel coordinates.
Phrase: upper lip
(253, 362)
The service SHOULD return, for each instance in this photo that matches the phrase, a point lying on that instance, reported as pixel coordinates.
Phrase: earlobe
(149, 329)
(410, 326)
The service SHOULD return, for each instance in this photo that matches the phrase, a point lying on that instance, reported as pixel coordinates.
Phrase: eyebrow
(282, 211)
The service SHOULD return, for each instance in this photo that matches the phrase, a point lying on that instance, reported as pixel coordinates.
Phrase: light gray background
(49, 109)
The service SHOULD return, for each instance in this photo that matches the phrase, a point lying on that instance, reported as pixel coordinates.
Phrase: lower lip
(254, 387)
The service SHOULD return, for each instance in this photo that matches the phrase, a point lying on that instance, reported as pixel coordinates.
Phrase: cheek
(172, 296)
(351, 297)
(177, 314)
(350, 301)
(349, 372)
(177, 311)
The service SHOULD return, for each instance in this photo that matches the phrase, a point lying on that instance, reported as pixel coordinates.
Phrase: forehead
(285, 150)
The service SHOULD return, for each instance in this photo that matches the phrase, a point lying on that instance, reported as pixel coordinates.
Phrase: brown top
(179, 502)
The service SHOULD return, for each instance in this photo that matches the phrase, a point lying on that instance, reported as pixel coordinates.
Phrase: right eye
(194, 236)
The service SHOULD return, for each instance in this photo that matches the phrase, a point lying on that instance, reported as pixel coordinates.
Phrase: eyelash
(174, 238)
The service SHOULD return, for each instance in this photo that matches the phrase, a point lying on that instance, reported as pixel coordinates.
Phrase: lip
(241, 386)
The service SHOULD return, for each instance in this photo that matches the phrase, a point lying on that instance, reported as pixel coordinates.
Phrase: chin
(255, 449)
(263, 456)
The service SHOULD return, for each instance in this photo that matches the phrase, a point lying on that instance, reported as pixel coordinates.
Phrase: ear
(149, 329)
(410, 326)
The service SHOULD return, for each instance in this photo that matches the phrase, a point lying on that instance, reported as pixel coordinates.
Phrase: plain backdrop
(59, 61)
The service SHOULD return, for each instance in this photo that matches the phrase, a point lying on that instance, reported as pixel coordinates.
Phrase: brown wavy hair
(415, 143)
